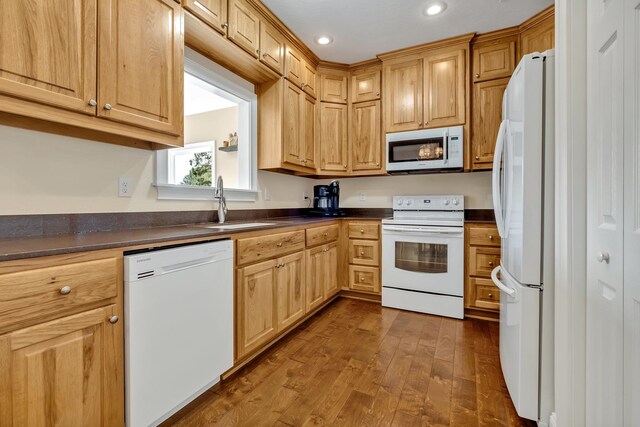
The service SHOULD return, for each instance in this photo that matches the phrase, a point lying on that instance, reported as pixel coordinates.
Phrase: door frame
(571, 213)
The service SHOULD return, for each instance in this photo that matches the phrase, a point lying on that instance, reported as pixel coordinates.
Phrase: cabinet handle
(114, 319)
(279, 244)
(477, 157)
(93, 102)
(107, 107)
(225, 25)
(65, 290)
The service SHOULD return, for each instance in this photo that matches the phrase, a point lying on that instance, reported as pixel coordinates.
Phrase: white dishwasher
(178, 327)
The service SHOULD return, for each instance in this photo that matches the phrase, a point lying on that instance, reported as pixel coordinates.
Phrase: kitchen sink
(235, 226)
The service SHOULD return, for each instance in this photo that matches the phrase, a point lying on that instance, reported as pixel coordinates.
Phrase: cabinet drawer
(321, 235)
(483, 260)
(484, 236)
(271, 246)
(364, 252)
(487, 295)
(365, 279)
(364, 230)
(45, 291)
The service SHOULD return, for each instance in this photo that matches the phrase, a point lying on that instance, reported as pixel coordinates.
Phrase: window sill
(189, 192)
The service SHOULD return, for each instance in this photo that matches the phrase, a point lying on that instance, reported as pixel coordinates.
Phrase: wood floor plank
(359, 364)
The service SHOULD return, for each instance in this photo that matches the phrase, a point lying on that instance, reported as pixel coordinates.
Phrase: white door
(605, 156)
(632, 214)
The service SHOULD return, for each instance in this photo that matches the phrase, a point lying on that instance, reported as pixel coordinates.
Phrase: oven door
(423, 259)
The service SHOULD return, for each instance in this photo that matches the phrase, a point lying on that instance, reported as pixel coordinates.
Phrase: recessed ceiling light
(435, 8)
(324, 40)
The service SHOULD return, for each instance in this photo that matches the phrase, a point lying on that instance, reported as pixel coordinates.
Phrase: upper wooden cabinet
(293, 65)
(244, 27)
(495, 59)
(445, 88)
(403, 94)
(365, 85)
(333, 86)
(272, 48)
(34, 65)
(487, 115)
(309, 131)
(366, 137)
(213, 12)
(538, 33)
(333, 137)
(309, 78)
(299, 127)
(141, 63)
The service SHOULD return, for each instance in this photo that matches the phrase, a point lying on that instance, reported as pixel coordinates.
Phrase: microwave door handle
(445, 143)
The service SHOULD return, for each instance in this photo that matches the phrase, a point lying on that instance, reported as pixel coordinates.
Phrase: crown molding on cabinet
(536, 19)
(414, 50)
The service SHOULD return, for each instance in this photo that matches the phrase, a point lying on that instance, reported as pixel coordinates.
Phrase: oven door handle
(421, 230)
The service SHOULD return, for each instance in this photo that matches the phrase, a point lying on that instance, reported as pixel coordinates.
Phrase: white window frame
(196, 147)
(207, 70)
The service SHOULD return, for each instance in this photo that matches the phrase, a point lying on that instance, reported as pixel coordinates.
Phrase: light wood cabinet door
(365, 86)
(444, 88)
(333, 137)
(141, 63)
(364, 252)
(363, 278)
(48, 52)
(271, 48)
(482, 260)
(494, 60)
(292, 137)
(403, 95)
(212, 12)
(366, 136)
(68, 372)
(315, 277)
(309, 78)
(256, 317)
(330, 270)
(244, 27)
(538, 38)
(290, 280)
(293, 64)
(333, 87)
(309, 130)
(487, 115)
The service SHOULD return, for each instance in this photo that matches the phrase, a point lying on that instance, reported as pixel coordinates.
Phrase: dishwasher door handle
(189, 264)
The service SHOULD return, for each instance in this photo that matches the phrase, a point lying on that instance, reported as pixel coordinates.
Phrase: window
(220, 123)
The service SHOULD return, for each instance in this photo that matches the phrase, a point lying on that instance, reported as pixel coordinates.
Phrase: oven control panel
(429, 203)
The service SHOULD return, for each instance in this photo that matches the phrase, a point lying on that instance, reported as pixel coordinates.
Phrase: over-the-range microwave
(425, 150)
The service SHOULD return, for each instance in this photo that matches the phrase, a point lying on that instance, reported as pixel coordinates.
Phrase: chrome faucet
(222, 202)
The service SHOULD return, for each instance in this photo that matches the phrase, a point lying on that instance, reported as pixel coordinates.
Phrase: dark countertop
(158, 231)
(37, 246)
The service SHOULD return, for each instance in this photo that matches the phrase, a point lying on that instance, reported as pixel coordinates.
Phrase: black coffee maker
(326, 200)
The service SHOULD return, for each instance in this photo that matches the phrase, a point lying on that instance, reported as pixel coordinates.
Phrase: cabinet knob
(477, 157)
(490, 237)
(490, 295)
(326, 249)
(490, 263)
(325, 234)
(107, 107)
(377, 93)
(93, 102)
(225, 25)
(345, 166)
(361, 253)
(264, 55)
(603, 257)
(114, 319)
(302, 85)
(65, 290)
(362, 230)
(377, 163)
(258, 51)
(279, 244)
(361, 279)
(419, 123)
(303, 161)
(477, 76)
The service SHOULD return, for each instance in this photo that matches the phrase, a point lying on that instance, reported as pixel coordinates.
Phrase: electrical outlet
(125, 188)
(267, 194)
(363, 196)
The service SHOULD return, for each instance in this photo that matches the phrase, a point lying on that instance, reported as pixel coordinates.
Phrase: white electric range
(423, 255)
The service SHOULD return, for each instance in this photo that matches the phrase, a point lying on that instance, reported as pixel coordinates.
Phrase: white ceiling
(361, 29)
(200, 97)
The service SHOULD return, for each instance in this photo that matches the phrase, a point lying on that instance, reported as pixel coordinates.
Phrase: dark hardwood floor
(358, 364)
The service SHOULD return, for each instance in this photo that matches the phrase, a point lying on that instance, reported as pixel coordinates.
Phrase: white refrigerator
(523, 199)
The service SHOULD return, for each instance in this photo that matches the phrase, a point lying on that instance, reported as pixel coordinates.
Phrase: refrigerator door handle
(504, 288)
(495, 181)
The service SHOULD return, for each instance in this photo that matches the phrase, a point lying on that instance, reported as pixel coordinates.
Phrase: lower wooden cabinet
(66, 372)
(322, 274)
(363, 278)
(256, 319)
(363, 249)
(290, 289)
(482, 255)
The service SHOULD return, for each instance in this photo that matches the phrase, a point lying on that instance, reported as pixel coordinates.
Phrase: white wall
(45, 173)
